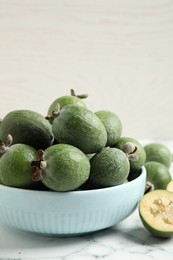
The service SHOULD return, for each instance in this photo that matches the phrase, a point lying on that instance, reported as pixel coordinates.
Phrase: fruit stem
(82, 96)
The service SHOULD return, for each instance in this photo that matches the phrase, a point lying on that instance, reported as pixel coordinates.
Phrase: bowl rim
(78, 192)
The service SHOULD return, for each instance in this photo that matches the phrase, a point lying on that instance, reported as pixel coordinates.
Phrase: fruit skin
(135, 166)
(109, 167)
(28, 127)
(112, 124)
(15, 166)
(158, 174)
(156, 227)
(64, 101)
(159, 153)
(79, 127)
(67, 168)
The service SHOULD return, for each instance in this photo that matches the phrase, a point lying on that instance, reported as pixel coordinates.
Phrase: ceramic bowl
(69, 213)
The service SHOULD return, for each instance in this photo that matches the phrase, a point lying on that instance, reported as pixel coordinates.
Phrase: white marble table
(128, 240)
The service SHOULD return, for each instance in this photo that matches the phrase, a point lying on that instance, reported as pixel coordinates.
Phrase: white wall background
(120, 52)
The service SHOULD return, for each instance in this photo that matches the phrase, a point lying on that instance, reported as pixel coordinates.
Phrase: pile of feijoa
(74, 148)
(68, 149)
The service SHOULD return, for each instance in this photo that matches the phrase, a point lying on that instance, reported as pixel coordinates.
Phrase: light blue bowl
(69, 213)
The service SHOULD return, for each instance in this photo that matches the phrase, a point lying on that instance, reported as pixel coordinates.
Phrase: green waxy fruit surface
(109, 167)
(155, 211)
(15, 166)
(135, 166)
(79, 127)
(67, 167)
(159, 153)
(158, 174)
(28, 127)
(64, 101)
(112, 124)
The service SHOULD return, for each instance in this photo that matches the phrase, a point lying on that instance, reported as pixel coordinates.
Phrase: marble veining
(126, 240)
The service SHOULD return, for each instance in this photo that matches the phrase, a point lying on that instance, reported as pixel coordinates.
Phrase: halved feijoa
(156, 212)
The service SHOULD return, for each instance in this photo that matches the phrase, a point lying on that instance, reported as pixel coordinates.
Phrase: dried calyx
(82, 96)
(149, 187)
(4, 146)
(130, 150)
(40, 164)
(54, 114)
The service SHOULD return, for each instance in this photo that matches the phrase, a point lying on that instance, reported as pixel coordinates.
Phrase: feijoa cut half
(156, 212)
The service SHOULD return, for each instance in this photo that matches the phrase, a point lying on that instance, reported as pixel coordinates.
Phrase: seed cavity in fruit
(162, 211)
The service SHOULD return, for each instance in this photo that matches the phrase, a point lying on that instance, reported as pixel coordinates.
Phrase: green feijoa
(62, 101)
(79, 127)
(159, 153)
(28, 127)
(135, 165)
(155, 211)
(158, 174)
(112, 124)
(15, 166)
(62, 167)
(109, 167)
